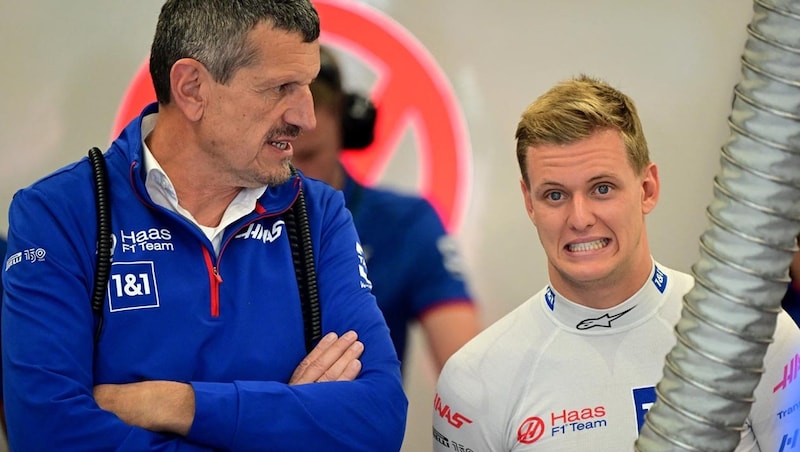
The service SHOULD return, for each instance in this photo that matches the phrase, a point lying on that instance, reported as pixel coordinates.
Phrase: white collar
(631, 312)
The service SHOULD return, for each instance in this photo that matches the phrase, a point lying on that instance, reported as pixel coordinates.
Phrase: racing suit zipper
(214, 280)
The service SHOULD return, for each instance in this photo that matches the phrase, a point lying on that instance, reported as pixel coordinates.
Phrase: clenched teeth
(588, 246)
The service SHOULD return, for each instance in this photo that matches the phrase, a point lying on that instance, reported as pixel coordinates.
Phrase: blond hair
(573, 110)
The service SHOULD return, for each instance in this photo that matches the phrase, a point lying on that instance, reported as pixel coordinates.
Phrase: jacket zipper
(214, 280)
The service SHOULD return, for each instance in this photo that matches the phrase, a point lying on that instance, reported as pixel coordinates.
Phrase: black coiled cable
(103, 267)
(299, 232)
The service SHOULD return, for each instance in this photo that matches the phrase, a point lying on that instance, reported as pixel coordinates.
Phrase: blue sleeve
(47, 333)
(367, 414)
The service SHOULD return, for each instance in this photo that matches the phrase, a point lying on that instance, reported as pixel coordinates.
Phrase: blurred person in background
(415, 266)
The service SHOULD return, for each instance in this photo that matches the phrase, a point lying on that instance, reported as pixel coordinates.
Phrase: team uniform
(228, 322)
(791, 303)
(414, 265)
(558, 376)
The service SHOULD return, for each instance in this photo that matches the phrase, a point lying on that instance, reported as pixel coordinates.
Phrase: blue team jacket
(229, 324)
(413, 263)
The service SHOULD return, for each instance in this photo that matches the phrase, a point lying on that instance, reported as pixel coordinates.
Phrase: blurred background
(456, 76)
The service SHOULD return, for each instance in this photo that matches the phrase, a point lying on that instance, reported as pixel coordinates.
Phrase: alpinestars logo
(602, 321)
(258, 232)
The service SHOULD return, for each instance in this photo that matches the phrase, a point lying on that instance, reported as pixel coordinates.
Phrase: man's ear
(187, 79)
(651, 188)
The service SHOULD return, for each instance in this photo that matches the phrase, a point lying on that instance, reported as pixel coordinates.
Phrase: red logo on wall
(411, 91)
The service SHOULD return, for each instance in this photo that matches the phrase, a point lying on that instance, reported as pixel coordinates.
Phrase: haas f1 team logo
(410, 92)
(530, 430)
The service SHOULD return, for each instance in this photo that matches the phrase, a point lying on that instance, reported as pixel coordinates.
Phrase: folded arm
(169, 406)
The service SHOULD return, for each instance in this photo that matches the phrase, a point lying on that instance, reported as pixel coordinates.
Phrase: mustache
(288, 130)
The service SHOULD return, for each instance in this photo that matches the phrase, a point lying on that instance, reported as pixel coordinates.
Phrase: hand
(158, 406)
(333, 359)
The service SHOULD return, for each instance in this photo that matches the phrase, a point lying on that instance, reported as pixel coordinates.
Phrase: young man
(413, 263)
(202, 342)
(567, 370)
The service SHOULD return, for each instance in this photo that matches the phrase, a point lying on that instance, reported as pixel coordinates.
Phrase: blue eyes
(602, 189)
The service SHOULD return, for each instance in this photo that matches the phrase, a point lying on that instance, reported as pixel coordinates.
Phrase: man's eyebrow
(603, 176)
(548, 183)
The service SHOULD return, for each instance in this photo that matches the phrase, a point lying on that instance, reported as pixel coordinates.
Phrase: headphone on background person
(358, 112)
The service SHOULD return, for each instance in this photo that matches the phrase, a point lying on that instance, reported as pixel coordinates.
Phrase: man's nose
(581, 215)
(301, 111)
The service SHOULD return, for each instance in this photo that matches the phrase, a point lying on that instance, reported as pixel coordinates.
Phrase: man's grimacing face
(589, 207)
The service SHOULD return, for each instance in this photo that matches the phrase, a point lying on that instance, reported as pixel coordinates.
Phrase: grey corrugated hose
(728, 319)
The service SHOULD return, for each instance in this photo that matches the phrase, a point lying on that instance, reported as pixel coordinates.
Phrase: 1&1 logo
(411, 91)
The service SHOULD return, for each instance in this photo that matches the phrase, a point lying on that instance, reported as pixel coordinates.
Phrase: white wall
(66, 65)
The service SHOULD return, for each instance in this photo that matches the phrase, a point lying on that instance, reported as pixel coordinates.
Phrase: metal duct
(728, 318)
